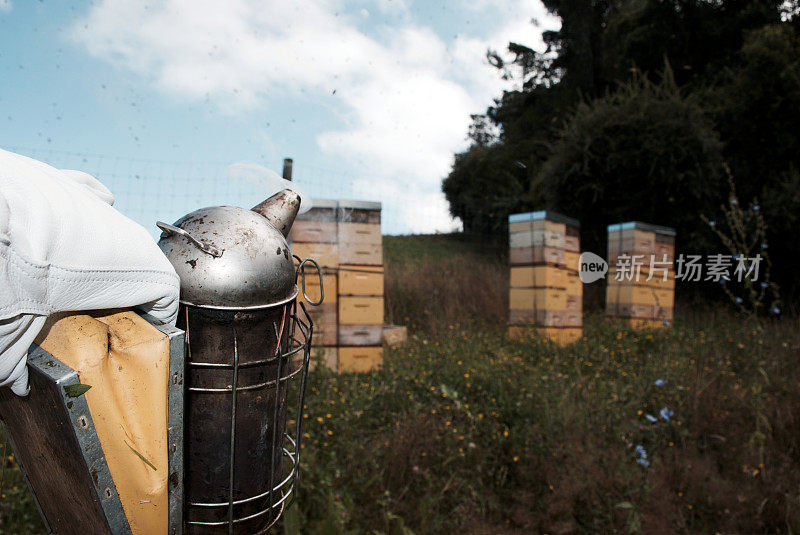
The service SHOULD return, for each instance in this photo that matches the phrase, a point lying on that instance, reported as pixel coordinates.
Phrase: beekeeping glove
(64, 248)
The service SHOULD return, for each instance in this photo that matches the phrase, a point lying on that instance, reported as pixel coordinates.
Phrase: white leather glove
(64, 248)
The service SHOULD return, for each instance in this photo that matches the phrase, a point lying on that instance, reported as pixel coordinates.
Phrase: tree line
(645, 110)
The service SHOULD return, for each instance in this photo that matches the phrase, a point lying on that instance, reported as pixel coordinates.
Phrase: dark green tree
(699, 38)
(644, 152)
(734, 96)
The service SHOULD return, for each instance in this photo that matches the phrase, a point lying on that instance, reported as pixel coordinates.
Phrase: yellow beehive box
(640, 239)
(572, 261)
(574, 285)
(325, 254)
(326, 326)
(521, 256)
(355, 310)
(544, 318)
(664, 251)
(360, 253)
(313, 232)
(641, 276)
(639, 295)
(538, 277)
(530, 298)
(538, 224)
(658, 281)
(665, 244)
(360, 280)
(632, 243)
(537, 238)
(313, 288)
(394, 335)
(360, 233)
(360, 359)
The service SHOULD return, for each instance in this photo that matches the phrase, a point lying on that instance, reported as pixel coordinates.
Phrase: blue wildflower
(765, 285)
(643, 462)
(660, 382)
(776, 310)
(764, 246)
(756, 208)
(666, 413)
(739, 300)
(651, 418)
(712, 224)
(640, 451)
(734, 202)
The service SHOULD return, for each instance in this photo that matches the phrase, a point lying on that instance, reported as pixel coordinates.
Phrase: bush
(642, 153)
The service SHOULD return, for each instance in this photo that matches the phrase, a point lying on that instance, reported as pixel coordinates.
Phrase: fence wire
(149, 190)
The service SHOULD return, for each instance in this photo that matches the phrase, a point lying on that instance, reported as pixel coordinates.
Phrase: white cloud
(406, 93)
(6, 6)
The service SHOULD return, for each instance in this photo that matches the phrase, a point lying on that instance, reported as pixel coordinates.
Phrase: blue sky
(370, 98)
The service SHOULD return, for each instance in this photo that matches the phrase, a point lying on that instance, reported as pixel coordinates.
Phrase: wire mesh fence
(148, 190)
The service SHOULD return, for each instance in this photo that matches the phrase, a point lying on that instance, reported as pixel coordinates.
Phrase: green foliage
(481, 189)
(76, 390)
(736, 97)
(462, 282)
(745, 235)
(18, 513)
(644, 152)
(758, 110)
(464, 430)
(700, 38)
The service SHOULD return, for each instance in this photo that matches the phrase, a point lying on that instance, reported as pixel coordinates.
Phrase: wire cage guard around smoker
(245, 485)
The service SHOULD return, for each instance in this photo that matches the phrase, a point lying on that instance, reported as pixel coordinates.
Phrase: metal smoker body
(245, 342)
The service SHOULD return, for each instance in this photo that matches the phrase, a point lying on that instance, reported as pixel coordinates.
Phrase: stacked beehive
(546, 294)
(344, 237)
(315, 235)
(641, 278)
(360, 286)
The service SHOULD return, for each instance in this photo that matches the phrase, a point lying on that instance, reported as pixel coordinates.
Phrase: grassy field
(691, 430)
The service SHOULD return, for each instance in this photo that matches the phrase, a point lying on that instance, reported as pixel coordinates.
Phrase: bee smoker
(247, 356)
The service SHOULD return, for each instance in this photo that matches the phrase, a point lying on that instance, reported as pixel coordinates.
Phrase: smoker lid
(231, 258)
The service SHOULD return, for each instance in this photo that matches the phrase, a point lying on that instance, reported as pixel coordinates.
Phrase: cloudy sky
(371, 98)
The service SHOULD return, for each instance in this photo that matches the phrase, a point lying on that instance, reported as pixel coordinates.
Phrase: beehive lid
(359, 205)
(544, 214)
(324, 203)
(638, 225)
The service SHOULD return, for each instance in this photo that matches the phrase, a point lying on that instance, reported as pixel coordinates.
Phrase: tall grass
(695, 429)
(437, 281)
(466, 431)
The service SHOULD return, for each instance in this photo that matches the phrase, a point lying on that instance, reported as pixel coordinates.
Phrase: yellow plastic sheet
(126, 362)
